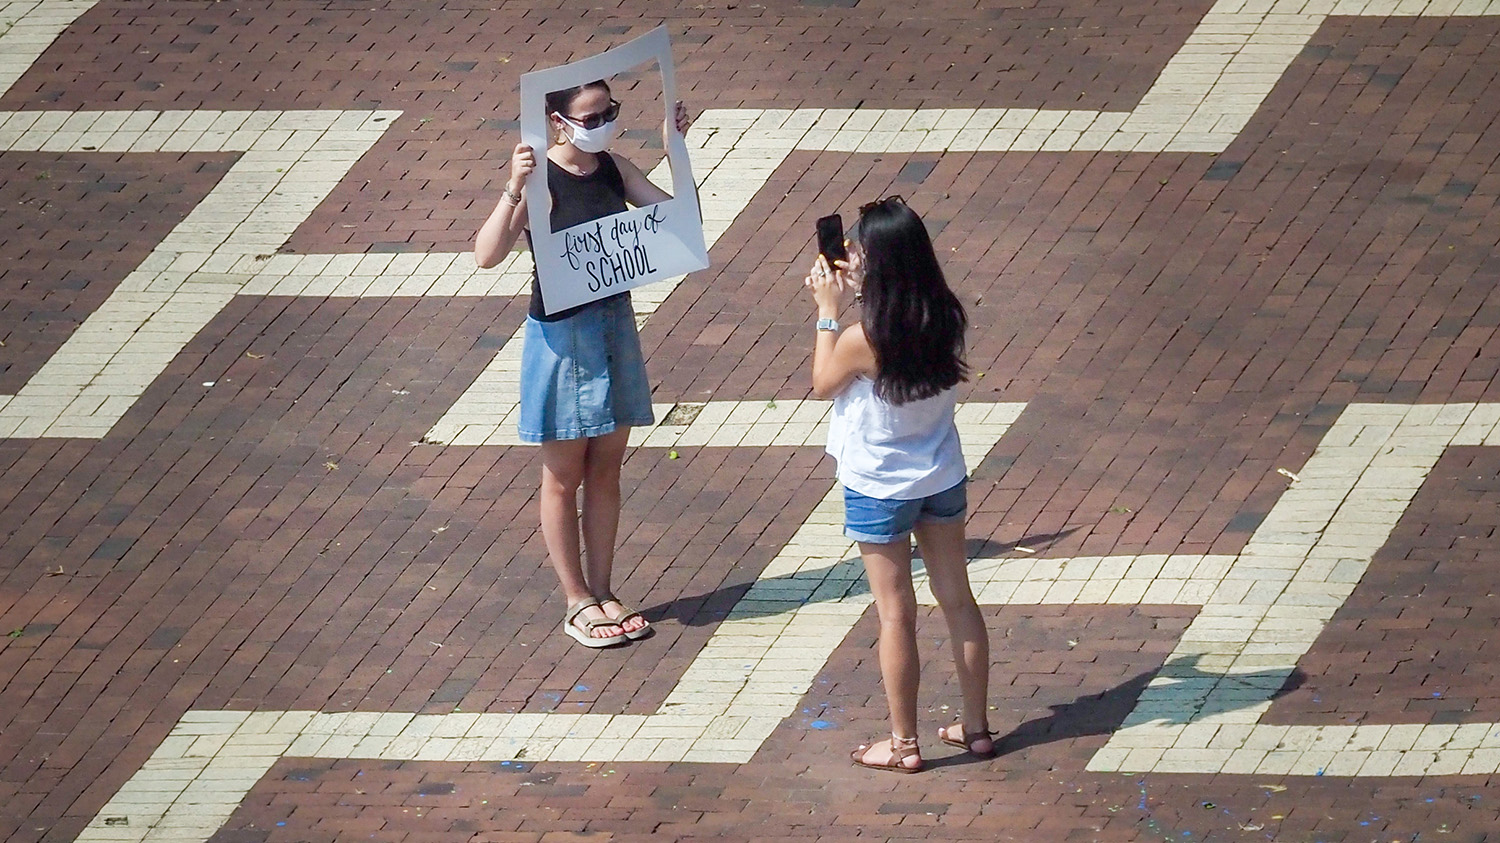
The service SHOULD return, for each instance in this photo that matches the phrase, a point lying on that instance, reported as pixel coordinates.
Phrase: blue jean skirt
(583, 376)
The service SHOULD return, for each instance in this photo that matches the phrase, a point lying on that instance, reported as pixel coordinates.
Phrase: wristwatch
(826, 324)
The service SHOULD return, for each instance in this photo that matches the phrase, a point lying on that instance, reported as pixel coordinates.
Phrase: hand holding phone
(831, 239)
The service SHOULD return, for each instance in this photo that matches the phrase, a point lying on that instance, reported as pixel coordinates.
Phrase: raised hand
(522, 163)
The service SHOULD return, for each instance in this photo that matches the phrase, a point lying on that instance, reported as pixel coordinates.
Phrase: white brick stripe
(193, 787)
(750, 676)
(1273, 602)
(1201, 101)
(767, 653)
(1200, 714)
(290, 161)
(1285, 585)
(27, 28)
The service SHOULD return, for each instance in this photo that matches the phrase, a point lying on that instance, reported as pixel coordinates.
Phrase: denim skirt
(583, 376)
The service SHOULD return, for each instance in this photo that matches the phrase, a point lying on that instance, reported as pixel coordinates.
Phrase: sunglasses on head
(594, 121)
(870, 206)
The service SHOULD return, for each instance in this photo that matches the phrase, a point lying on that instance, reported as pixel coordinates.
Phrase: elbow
(485, 259)
(825, 391)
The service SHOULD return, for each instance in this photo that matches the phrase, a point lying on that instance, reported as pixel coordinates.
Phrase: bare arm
(499, 233)
(639, 191)
(838, 358)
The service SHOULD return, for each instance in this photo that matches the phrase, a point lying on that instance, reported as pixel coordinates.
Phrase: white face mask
(592, 140)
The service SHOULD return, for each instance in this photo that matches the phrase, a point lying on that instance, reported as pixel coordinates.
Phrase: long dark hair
(558, 102)
(914, 323)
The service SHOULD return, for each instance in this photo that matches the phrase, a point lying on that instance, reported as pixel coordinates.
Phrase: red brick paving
(1182, 326)
(1410, 645)
(77, 224)
(1064, 700)
(453, 71)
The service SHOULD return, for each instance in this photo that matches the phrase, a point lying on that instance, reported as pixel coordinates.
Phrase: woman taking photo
(892, 377)
(583, 379)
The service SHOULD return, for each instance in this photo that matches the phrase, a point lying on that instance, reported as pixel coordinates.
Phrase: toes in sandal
(627, 614)
(966, 742)
(901, 749)
(585, 635)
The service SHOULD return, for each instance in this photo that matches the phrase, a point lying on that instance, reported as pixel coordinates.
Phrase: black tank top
(576, 200)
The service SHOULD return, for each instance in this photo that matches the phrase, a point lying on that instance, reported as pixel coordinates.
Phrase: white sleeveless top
(895, 452)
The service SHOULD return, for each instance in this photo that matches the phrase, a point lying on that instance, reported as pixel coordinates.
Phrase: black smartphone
(831, 238)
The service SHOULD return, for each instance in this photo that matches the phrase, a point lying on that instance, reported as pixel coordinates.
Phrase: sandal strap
(900, 749)
(903, 748)
(608, 597)
(626, 615)
(579, 608)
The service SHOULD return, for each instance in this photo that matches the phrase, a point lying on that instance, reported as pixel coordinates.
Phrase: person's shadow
(1102, 713)
(838, 581)
(1091, 714)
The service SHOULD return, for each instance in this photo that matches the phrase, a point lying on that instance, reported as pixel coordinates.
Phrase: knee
(602, 472)
(561, 482)
(953, 596)
(897, 613)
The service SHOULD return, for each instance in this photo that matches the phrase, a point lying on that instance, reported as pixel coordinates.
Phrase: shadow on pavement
(715, 606)
(1102, 714)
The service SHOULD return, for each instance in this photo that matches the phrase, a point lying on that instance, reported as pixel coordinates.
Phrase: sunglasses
(594, 121)
(870, 206)
(854, 230)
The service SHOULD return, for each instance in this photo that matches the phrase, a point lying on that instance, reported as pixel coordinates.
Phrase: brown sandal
(967, 742)
(901, 749)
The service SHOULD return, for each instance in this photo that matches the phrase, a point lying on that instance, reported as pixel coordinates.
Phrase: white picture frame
(622, 251)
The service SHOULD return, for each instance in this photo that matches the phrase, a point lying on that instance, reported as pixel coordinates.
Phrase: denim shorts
(881, 521)
(583, 376)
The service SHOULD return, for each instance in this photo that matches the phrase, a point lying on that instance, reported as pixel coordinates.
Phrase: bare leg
(562, 472)
(888, 569)
(943, 553)
(601, 516)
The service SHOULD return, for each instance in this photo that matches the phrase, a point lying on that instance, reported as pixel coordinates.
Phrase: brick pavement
(1179, 325)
